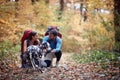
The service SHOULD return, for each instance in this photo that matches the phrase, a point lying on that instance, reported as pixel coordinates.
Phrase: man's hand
(53, 51)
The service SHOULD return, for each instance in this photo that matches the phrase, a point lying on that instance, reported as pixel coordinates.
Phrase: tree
(47, 1)
(33, 1)
(61, 5)
(61, 8)
(117, 23)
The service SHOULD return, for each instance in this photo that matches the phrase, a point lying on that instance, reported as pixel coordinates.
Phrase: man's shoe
(57, 64)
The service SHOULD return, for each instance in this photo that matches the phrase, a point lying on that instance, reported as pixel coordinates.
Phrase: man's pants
(58, 55)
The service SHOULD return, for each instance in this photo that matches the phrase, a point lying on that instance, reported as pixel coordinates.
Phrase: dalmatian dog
(35, 54)
(40, 56)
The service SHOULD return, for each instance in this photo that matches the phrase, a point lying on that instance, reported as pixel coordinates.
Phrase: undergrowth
(101, 57)
(9, 53)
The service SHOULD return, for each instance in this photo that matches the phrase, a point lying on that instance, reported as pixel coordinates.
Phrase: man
(55, 44)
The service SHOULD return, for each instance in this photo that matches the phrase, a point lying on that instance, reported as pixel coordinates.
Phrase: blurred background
(86, 25)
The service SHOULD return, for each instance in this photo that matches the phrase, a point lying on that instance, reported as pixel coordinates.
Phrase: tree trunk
(33, 1)
(61, 5)
(117, 23)
(61, 9)
(47, 1)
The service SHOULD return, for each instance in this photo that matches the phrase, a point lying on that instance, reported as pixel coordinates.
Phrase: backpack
(24, 37)
(51, 28)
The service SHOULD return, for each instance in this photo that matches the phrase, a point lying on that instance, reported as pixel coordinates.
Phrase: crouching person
(31, 40)
(55, 44)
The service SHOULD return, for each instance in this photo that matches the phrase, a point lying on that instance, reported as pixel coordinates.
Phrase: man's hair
(54, 32)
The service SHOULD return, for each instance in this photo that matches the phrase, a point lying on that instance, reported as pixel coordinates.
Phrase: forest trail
(67, 70)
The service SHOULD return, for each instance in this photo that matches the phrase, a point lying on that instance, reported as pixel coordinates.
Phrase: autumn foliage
(93, 39)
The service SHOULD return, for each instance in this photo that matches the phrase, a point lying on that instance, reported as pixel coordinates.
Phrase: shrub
(9, 52)
(101, 57)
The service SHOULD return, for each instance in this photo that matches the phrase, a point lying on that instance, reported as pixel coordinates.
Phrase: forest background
(89, 27)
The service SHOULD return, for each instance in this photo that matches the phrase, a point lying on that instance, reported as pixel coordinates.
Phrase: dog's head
(46, 46)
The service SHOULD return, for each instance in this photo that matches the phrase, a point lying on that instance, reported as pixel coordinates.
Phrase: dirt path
(65, 58)
(67, 70)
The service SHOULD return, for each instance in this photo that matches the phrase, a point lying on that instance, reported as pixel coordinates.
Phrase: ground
(67, 70)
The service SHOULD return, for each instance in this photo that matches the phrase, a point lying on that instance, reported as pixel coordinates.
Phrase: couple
(52, 38)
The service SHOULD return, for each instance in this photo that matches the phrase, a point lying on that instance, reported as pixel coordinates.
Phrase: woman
(32, 40)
